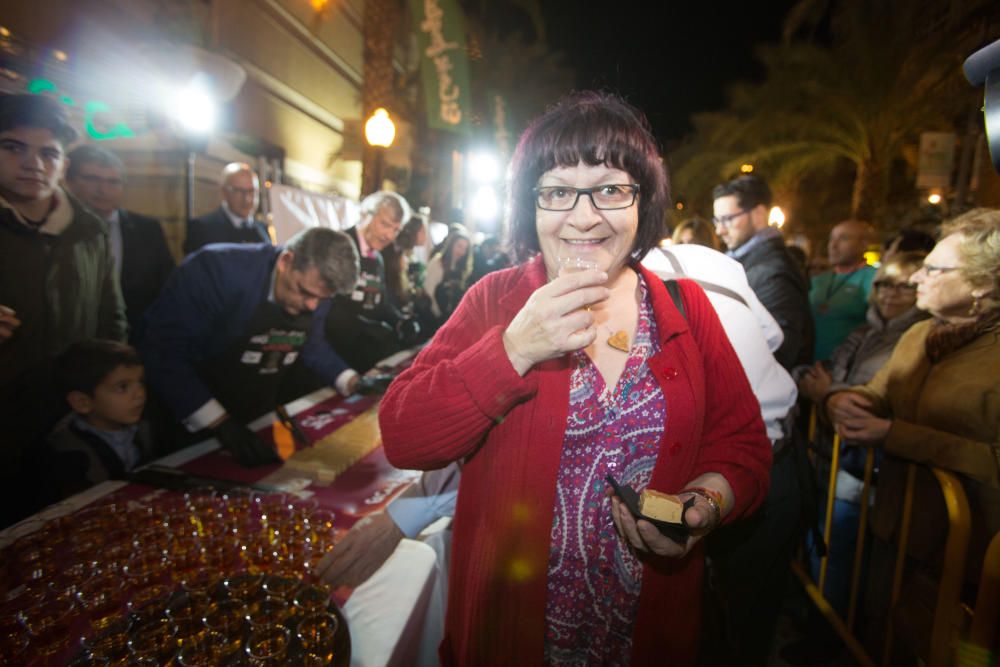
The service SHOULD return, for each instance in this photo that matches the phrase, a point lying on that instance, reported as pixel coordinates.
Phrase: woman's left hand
(869, 429)
(644, 536)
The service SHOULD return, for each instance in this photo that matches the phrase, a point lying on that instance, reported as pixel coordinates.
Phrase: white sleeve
(433, 496)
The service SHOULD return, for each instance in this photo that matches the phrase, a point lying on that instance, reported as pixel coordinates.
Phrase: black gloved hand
(373, 384)
(408, 330)
(244, 444)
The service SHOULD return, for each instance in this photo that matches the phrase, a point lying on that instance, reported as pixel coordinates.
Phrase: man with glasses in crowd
(233, 221)
(741, 209)
(839, 297)
(141, 257)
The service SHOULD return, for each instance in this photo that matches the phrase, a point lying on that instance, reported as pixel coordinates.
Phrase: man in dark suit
(364, 326)
(233, 221)
(142, 261)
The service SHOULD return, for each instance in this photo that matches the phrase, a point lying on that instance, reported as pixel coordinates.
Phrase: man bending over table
(231, 322)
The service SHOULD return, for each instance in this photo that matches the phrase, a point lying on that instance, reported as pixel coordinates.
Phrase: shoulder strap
(675, 294)
(705, 285)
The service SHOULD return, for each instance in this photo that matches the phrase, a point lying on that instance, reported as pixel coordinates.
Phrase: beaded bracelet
(711, 498)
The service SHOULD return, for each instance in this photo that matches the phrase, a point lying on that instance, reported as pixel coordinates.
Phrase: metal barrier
(945, 644)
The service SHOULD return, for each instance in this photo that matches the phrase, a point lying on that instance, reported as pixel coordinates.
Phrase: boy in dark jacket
(104, 437)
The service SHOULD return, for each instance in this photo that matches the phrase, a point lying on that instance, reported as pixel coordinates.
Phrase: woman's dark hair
(448, 249)
(596, 129)
(703, 233)
(86, 363)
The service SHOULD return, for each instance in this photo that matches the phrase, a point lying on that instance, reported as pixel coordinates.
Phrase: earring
(974, 310)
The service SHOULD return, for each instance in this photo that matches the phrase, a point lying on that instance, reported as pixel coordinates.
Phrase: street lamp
(379, 132)
(776, 218)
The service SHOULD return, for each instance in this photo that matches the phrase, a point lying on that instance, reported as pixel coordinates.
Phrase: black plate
(678, 532)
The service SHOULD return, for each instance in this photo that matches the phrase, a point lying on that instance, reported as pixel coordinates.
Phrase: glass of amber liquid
(268, 646)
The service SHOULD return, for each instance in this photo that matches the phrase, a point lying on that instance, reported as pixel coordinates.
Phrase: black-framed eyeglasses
(891, 285)
(727, 220)
(606, 197)
(933, 271)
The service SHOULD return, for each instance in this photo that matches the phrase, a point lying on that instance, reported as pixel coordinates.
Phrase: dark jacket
(146, 265)
(365, 326)
(207, 304)
(782, 287)
(74, 459)
(62, 288)
(216, 227)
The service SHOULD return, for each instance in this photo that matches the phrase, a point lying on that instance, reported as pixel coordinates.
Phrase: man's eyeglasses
(604, 197)
(243, 192)
(727, 220)
(934, 271)
(896, 287)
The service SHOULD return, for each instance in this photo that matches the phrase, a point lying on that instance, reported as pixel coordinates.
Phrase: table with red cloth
(385, 614)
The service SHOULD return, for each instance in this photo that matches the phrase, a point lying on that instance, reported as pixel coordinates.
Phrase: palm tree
(881, 81)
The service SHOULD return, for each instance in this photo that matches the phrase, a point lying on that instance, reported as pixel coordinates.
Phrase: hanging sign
(444, 65)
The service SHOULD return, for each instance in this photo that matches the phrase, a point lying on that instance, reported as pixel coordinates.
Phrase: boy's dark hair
(750, 191)
(86, 154)
(36, 111)
(85, 364)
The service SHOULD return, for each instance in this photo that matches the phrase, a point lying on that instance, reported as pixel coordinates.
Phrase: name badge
(251, 357)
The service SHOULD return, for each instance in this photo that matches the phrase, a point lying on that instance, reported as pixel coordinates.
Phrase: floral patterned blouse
(593, 577)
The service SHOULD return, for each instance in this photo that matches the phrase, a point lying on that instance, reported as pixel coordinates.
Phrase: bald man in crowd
(839, 297)
(233, 221)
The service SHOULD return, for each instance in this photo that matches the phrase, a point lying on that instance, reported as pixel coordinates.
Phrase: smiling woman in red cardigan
(571, 366)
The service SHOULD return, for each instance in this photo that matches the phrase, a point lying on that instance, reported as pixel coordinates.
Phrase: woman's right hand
(555, 319)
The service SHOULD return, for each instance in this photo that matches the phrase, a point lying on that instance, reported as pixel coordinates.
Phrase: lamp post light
(379, 132)
(776, 217)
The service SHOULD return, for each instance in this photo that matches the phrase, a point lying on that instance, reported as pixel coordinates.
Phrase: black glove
(407, 330)
(244, 444)
(373, 384)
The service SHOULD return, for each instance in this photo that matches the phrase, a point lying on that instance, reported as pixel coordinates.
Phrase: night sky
(670, 58)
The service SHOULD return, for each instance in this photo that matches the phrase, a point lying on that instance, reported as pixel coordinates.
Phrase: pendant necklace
(618, 340)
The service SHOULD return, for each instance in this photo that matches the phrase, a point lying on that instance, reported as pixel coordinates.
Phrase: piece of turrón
(661, 506)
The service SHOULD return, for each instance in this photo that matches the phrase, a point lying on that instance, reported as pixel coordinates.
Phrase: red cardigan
(462, 399)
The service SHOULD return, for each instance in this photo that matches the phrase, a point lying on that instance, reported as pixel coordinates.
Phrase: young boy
(104, 437)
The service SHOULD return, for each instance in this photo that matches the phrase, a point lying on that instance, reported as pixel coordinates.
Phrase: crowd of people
(582, 349)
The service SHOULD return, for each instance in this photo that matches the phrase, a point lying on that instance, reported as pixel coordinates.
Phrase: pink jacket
(462, 399)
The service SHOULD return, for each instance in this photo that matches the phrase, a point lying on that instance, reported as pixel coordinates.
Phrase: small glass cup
(243, 587)
(279, 586)
(102, 598)
(188, 631)
(316, 632)
(312, 599)
(268, 646)
(201, 654)
(50, 623)
(228, 618)
(149, 602)
(271, 611)
(153, 640)
(112, 644)
(575, 264)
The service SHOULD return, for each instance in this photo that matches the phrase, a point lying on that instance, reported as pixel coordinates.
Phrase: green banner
(444, 64)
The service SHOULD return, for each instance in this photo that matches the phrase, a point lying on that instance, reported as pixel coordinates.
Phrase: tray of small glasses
(242, 620)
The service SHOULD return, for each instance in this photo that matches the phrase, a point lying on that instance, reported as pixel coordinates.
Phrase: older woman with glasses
(937, 399)
(573, 365)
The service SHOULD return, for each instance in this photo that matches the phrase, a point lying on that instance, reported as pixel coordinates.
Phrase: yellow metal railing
(945, 643)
